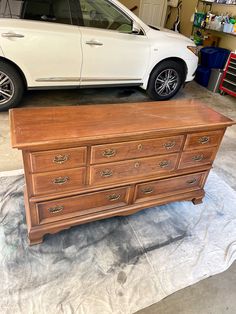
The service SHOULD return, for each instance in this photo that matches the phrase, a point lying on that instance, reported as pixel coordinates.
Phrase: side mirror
(136, 28)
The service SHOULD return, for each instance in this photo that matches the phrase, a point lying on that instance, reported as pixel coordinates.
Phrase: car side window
(55, 11)
(103, 14)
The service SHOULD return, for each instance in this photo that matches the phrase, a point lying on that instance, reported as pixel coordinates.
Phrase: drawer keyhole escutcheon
(109, 153)
(204, 140)
(170, 145)
(140, 147)
(113, 197)
(198, 158)
(148, 190)
(106, 173)
(55, 209)
(193, 181)
(61, 180)
(164, 164)
(60, 159)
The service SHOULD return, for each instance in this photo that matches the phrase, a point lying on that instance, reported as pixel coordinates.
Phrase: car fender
(163, 48)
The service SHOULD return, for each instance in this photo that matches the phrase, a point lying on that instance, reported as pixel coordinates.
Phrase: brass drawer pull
(61, 180)
(148, 190)
(55, 209)
(60, 159)
(164, 164)
(204, 140)
(114, 197)
(137, 165)
(198, 157)
(109, 153)
(106, 173)
(140, 146)
(192, 181)
(170, 145)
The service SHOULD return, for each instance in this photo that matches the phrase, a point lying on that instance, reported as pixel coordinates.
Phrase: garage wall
(131, 3)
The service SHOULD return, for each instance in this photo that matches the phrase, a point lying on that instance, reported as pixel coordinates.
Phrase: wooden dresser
(97, 161)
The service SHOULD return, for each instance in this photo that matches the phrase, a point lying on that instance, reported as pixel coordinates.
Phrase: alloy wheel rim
(6, 88)
(166, 82)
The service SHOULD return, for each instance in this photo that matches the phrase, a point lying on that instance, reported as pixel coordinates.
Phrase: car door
(43, 39)
(112, 53)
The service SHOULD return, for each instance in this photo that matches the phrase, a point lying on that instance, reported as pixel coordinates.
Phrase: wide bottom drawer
(82, 204)
(171, 186)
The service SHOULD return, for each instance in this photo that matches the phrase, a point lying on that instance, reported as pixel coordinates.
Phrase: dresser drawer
(197, 157)
(82, 204)
(132, 169)
(203, 139)
(162, 188)
(135, 149)
(58, 159)
(58, 181)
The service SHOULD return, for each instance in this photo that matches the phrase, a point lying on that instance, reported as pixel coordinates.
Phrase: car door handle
(12, 35)
(94, 43)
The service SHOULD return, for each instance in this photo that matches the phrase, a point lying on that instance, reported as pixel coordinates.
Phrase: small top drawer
(58, 159)
(135, 149)
(203, 139)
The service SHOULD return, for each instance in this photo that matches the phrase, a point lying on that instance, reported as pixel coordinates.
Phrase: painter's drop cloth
(118, 265)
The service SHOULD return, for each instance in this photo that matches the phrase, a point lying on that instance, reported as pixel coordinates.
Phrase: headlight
(194, 49)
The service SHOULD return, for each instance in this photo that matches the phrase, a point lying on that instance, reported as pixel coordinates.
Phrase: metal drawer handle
(198, 157)
(164, 164)
(204, 140)
(170, 145)
(137, 165)
(148, 190)
(106, 173)
(109, 153)
(61, 180)
(60, 159)
(55, 209)
(192, 181)
(140, 147)
(114, 197)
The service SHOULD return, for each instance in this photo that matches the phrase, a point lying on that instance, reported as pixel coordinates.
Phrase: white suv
(47, 44)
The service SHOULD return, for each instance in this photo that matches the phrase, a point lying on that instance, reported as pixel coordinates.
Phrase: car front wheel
(165, 80)
(11, 87)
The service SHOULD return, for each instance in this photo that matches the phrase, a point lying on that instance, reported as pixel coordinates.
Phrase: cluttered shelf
(218, 31)
(205, 20)
(219, 3)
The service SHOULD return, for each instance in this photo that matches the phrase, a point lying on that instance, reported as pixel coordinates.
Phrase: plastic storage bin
(214, 57)
(202, 75)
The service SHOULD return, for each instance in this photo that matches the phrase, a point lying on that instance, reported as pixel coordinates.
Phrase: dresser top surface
(42, 126)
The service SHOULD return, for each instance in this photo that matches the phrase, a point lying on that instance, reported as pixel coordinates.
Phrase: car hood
(171, 34)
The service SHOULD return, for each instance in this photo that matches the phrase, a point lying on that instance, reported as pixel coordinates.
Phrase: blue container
(214, 57)
(202, 75)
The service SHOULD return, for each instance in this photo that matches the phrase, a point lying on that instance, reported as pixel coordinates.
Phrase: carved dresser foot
(197, 201)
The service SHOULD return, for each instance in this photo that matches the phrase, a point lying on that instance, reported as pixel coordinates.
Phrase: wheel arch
(17, 68)
(175, 59)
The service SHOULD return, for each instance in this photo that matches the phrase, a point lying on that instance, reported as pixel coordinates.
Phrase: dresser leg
(33, 241)
(197, 200)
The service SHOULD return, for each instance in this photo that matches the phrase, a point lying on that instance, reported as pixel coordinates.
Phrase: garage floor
(213, 295)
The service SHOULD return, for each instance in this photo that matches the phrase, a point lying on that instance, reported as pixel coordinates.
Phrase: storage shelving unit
(228, 83)
(207, 6)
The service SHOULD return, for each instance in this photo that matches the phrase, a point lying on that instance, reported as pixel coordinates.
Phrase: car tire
(165, 80)
(11, 86)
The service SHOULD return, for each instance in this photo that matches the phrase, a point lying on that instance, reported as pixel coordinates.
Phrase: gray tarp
(118, 265)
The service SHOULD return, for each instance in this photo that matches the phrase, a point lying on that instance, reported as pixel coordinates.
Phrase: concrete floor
(215, 295)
